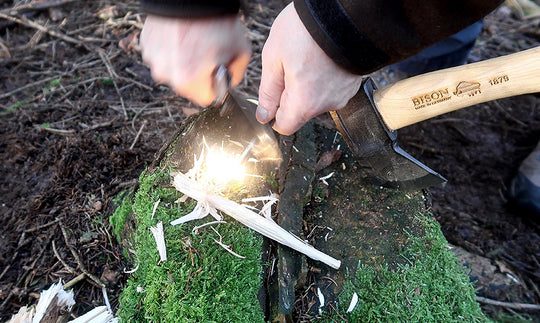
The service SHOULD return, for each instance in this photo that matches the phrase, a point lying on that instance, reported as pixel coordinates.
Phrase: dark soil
(80, 119)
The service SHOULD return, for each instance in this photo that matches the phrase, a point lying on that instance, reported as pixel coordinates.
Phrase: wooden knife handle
(428, 95)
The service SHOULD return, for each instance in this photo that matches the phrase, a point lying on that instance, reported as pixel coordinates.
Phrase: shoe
(524, 190)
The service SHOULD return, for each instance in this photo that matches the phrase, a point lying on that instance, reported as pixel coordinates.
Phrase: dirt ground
(80, 119)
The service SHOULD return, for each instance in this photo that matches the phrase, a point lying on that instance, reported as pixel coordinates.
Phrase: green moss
(319, 192)
(16, 106)
(118, 219)
(271, 180)
(107, 81)
(200, 281)
(432, 287)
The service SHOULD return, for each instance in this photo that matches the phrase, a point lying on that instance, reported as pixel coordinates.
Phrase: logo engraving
(467, 88)
(463, 88)
(431, 98)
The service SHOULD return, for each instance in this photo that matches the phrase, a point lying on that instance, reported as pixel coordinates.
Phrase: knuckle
(158, 75)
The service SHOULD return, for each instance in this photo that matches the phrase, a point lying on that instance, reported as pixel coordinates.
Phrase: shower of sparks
(214, 169)
(208, 186)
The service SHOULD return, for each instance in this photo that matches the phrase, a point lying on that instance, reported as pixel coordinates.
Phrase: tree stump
(394, 257)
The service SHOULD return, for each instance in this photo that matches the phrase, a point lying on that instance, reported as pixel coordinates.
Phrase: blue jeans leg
(450, 52)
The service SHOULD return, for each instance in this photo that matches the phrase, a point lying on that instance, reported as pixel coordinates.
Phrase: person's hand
(184, 53)
(299, 81)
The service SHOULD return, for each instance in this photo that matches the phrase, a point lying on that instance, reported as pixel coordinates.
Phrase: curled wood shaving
(159, 236)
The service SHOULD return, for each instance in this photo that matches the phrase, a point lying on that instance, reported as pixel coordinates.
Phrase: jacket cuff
(339, 37)
(191, 8)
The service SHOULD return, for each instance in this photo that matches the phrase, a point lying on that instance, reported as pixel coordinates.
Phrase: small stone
(98, 205)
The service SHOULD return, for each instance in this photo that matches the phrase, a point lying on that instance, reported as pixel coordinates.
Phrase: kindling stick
(254, 221)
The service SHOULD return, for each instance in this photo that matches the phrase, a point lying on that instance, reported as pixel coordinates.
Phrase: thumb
(270, 91)
(291, 116)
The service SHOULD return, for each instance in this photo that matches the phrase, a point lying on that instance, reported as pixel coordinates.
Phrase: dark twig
(78, 259)
(27, 86)
(7, 299)
(114, 76)
(337, 312)
(508, 115)
(68, 267)
(138, 135)
(32, 24)
(36, 6)
(5, 271)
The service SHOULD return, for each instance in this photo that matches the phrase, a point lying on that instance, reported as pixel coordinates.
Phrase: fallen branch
(516, 306)
(29, 23)
(251, 219)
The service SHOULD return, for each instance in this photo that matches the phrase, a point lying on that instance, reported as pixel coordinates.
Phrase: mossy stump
(393, 254)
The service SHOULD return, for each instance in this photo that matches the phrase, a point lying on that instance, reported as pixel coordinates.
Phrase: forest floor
(81, 118)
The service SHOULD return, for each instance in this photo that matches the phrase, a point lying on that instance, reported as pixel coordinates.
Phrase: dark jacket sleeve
(364, 35)
(191, 8)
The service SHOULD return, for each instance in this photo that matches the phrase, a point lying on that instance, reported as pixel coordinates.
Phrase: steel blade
(265, 147)
(377, 148)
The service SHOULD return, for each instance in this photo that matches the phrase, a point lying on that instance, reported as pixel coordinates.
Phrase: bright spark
(222, 168)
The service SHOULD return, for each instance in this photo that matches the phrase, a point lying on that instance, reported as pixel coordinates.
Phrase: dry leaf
(109, 13)
(130, 43)
(327, 158)
(4, 50)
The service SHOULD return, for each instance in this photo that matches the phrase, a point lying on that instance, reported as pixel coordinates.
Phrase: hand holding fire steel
(184, 53)
(299, 81)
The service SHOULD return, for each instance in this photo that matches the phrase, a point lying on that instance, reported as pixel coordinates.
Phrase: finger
(270, 90)
(286, 124)
(237, 67)
(149, 40)
(196, 87)
(201, 90)
(146, 51)
(143, 38)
